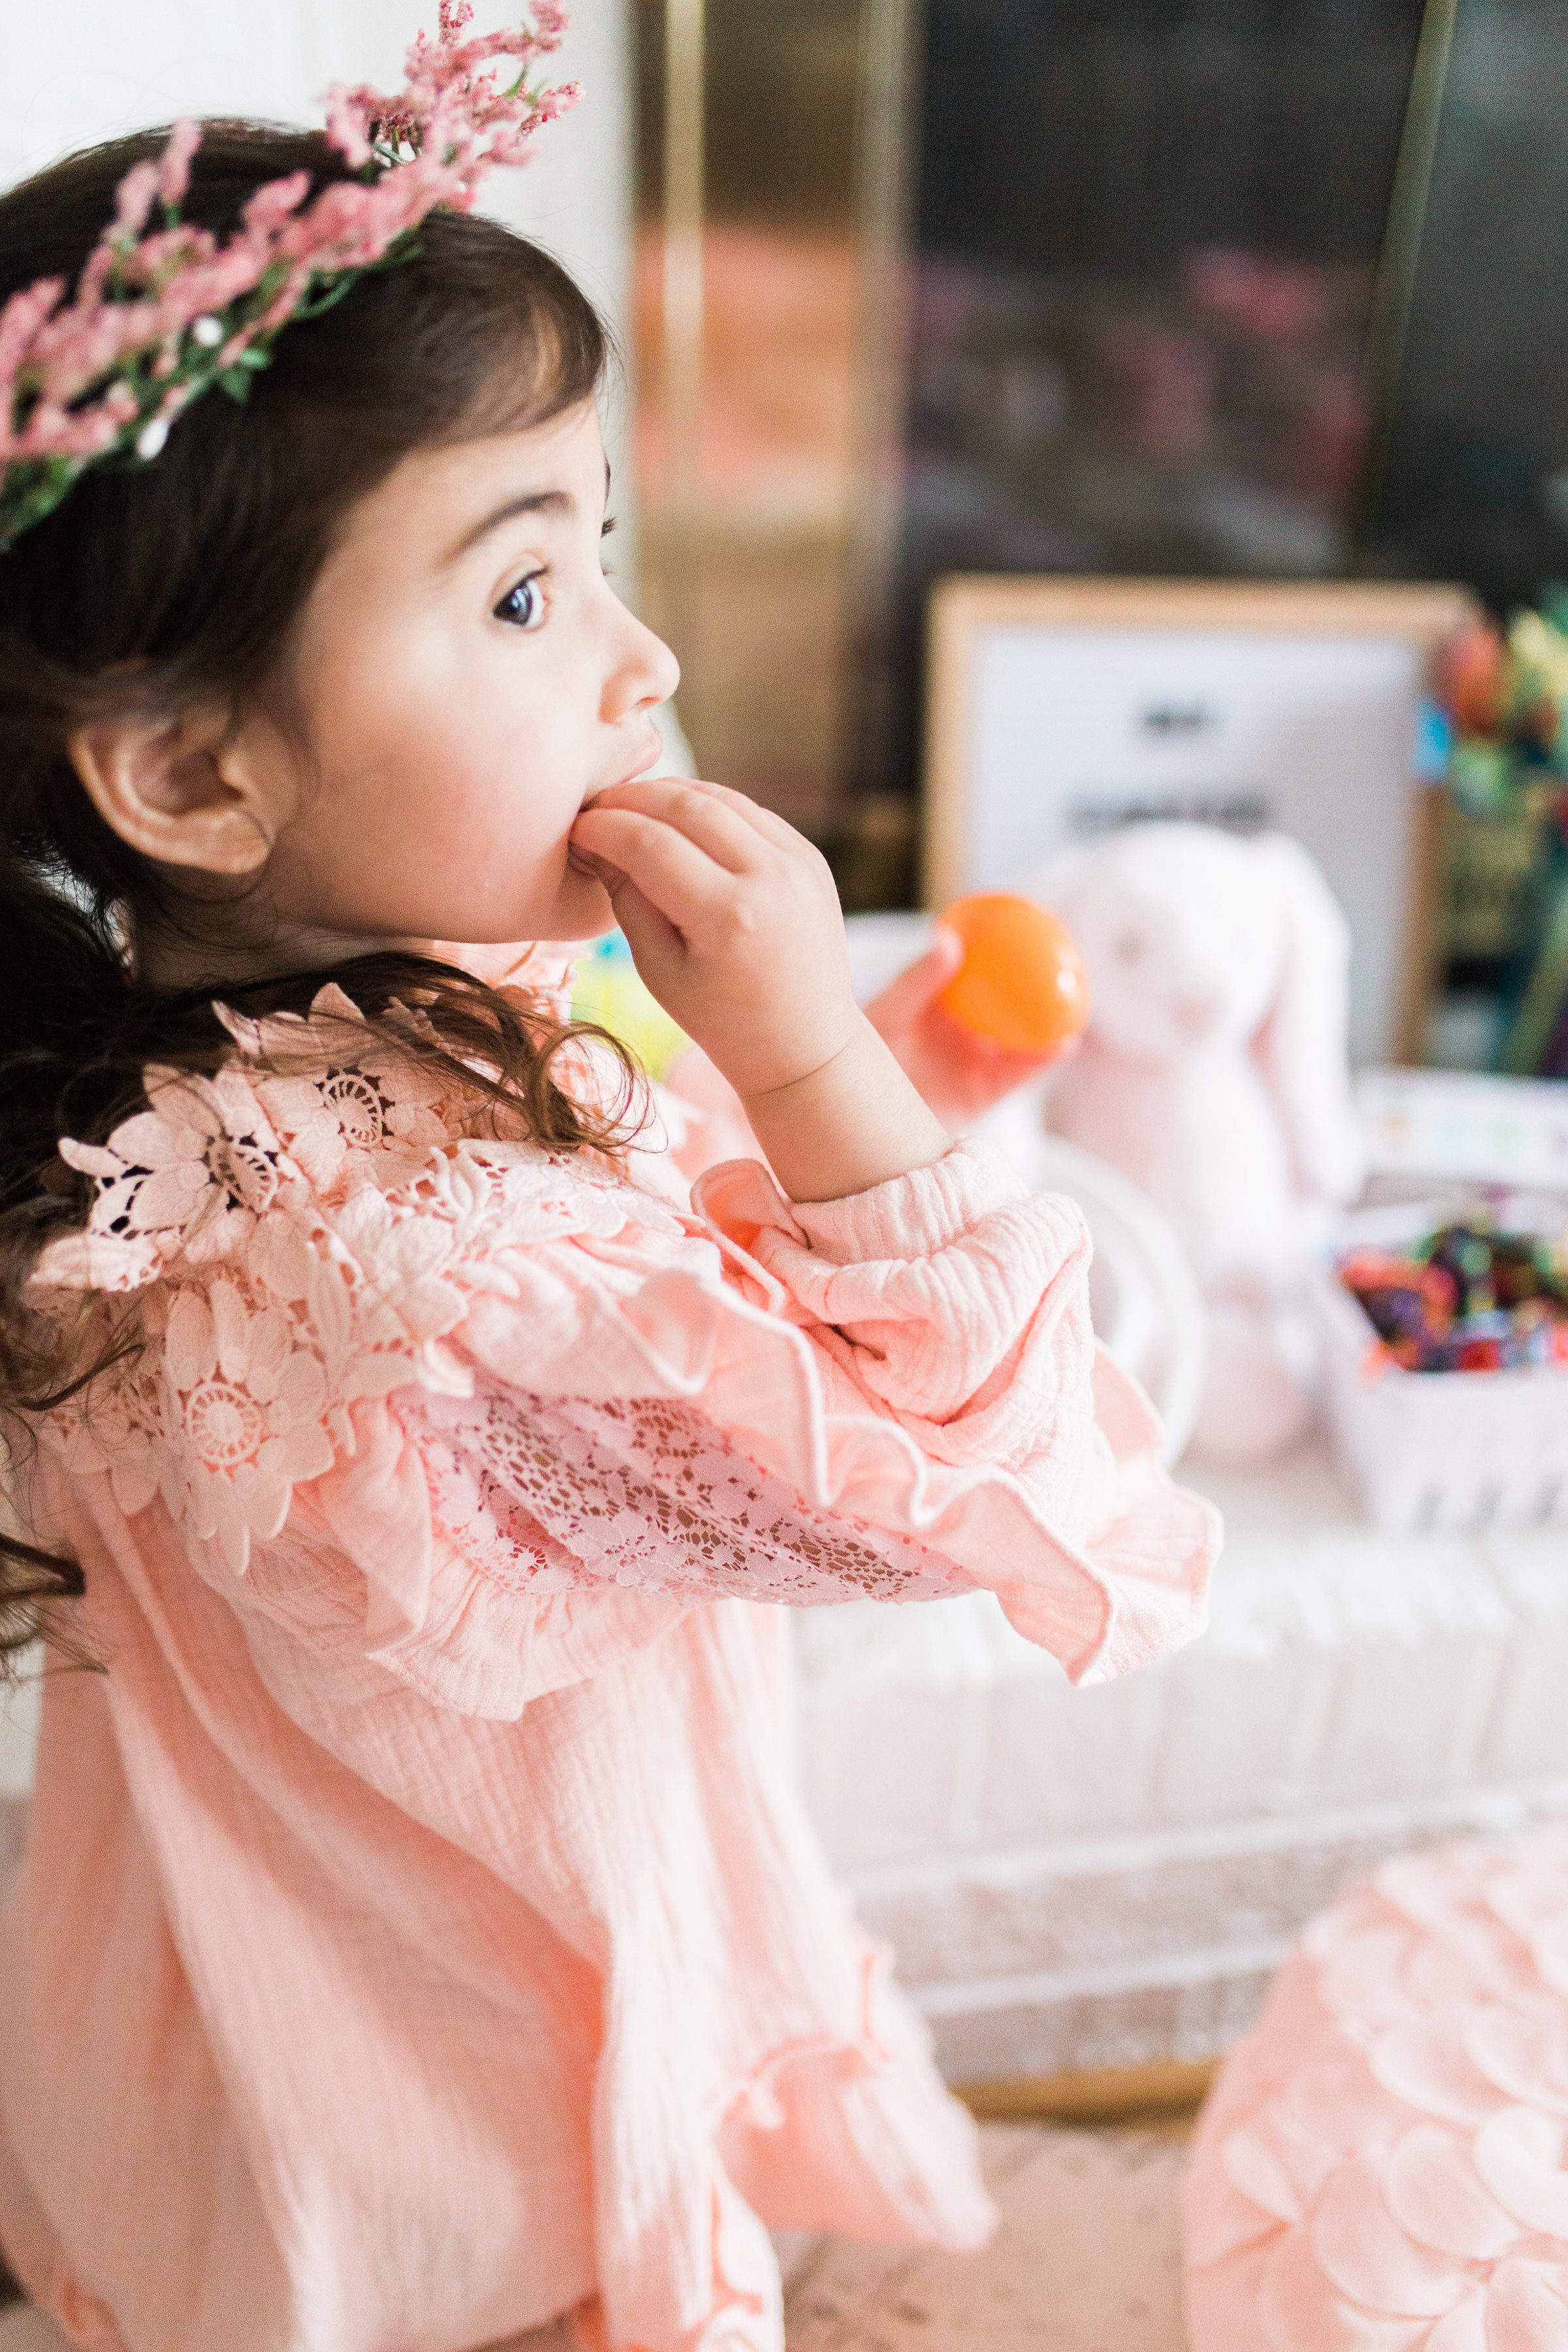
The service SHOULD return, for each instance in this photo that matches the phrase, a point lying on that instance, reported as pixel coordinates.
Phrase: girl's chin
(583, 909)
(582, 912)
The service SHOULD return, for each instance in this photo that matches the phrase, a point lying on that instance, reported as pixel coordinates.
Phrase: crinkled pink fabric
(1382, 2166)
(420, 1933)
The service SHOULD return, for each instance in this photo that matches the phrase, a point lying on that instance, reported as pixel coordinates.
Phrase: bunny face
(1182, 936)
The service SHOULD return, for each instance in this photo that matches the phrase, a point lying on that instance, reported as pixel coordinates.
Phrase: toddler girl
(419, 1938)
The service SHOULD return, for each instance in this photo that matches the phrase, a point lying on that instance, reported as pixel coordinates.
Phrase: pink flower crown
(157, 320)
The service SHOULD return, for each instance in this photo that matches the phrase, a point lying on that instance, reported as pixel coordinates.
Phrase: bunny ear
(1300, 1047)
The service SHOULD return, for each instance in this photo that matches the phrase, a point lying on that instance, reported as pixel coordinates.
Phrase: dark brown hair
(153, 587)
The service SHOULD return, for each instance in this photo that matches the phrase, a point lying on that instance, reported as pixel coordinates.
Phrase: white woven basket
(1441, 1450)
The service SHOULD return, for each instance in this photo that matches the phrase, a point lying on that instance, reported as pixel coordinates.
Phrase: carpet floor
(1087, 2259)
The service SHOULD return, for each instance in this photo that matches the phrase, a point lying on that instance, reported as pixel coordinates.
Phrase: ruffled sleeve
(914, 1367)
(520, 1392)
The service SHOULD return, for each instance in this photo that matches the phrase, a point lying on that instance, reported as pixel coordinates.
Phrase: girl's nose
(646, 673)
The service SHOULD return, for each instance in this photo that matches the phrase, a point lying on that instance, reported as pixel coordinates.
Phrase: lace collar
(184, 1182)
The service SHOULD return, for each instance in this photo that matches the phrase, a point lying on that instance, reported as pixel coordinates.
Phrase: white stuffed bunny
(1214, 1074)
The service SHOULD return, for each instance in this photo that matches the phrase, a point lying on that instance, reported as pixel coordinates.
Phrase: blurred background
(1001, 284)
(1211, 289)
(1216, 288)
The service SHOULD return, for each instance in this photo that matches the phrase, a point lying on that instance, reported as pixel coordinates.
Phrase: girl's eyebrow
(546, 502)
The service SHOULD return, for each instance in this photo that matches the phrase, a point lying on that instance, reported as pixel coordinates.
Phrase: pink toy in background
(1380, 2166)
(1214, 1074)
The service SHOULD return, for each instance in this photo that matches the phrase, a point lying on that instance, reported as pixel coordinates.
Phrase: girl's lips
(628, 775)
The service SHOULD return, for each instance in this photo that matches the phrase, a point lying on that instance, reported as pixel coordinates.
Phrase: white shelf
(1083, 1878)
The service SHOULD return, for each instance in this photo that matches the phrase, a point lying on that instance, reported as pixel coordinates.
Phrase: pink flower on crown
(174, 163)
(155, 319)
(264, 212)
(133, 199)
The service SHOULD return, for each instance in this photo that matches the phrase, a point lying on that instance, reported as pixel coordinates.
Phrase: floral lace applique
(300, 1244)
(553, 1494)
(371, 1116)
(192, 1174)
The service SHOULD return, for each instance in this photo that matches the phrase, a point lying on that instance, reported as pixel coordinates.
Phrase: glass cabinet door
(1088, 285)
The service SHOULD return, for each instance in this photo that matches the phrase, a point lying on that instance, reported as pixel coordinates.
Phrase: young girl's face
(466, 678)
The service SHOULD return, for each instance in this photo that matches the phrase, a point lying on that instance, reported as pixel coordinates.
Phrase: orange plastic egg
(1022, 982)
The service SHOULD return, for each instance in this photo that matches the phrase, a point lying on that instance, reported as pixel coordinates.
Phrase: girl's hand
(733, 921)
(734, 924)
(959, 1073)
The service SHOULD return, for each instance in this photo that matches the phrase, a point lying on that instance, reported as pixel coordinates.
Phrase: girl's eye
(523, 606)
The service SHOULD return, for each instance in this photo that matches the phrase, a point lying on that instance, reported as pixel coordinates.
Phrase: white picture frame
(1058, 707)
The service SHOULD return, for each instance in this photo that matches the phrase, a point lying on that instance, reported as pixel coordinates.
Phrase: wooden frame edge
(1101, 2094)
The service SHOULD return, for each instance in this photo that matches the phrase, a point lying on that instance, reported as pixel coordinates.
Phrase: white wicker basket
(1442, 1449)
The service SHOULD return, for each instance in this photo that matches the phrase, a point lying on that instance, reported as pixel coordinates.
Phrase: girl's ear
(1302, 1046)
(171, 790)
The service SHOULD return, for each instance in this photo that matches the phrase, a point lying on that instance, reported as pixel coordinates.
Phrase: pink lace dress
(420, 1933)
